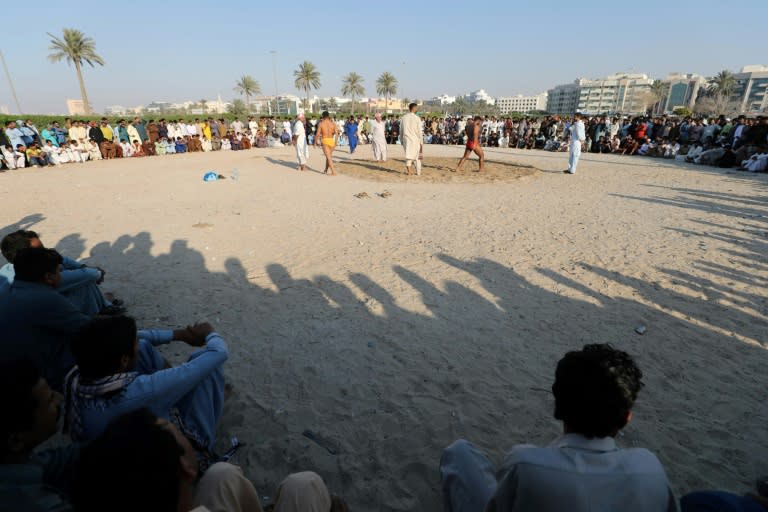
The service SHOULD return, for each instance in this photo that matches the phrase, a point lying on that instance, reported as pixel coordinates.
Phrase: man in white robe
(379, 138)
(578, 136)
(300, 141)
(411, 138)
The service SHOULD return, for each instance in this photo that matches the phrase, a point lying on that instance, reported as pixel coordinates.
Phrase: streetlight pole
(274, 77)
(10, 83)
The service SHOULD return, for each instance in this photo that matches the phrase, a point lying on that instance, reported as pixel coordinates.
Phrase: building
(563, 99)
(75, 107)
(479, 95)
(115, 110)
(751, 89)
(522, 104)
(158, 107)
(627, 93)
(683, 89)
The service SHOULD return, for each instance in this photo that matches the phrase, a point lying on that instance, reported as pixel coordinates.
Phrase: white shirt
(237, 127)
(578, 474)
(577, 132)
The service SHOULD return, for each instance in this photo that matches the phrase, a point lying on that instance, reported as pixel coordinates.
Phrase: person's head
(576, 116)
(302, 491)
(137, 451)
(30, 410)
(21, 239)
(595, 389)
(412, 107)
(301, 116)
(38, 265)
(10, 125)
(106, 346)
(325, 115)
(377, 116)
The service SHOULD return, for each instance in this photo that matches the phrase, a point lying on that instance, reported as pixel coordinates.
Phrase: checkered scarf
(80, 394)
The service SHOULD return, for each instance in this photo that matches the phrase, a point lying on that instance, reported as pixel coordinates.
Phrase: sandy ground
(388, 327)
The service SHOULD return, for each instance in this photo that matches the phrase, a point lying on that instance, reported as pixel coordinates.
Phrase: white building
(627, 93)
(563, 99)
(115, 110)
(443, 99)
(752, 88)
(522, 104)
(479, 95)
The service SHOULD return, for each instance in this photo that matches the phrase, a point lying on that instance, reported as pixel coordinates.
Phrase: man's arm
(167, 387)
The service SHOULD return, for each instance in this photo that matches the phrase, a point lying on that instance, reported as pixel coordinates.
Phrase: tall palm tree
(352, 85)
(203, 105)
(307, 77)
(658, 92)
(723, 83)
(75, 48)
(247, 86)
(386, 84)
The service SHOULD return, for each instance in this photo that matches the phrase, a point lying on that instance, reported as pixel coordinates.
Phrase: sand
(390, 326)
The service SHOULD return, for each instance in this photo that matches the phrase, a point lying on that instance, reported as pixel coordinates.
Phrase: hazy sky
(175, 51)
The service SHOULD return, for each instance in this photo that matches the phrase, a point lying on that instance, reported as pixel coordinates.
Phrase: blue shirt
(38, 323)
(73, 275)
(159, 391)
(578, 474)
(43, 484)
(15, 137)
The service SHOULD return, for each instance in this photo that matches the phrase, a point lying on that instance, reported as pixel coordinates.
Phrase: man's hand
(194, 335)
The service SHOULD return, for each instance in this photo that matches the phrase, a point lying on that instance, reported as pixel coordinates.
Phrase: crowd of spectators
(720, 141)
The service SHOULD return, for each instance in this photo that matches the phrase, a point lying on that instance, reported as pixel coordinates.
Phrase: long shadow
(387, 374)
(292, 165)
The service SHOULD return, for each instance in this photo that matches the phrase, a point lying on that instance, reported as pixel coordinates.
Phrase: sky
(198, 49)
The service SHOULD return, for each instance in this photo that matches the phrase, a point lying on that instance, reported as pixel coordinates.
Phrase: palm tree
(386, 84)
(658, 92)
(723, 83)
(247, 86)
(203, 105)
(307, 77)
(352, 85)
(76, 48)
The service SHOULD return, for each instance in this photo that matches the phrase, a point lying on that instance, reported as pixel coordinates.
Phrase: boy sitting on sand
(582, 470)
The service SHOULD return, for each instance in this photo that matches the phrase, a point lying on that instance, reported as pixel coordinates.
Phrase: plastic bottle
(235, 174)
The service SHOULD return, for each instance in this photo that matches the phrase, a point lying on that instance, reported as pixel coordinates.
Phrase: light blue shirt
(577, 131)
(158, 391)
(15, 137)
(73, 275)
(582, 475)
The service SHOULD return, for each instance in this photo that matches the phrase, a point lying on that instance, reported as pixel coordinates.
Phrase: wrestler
(473, 143)
(327, 131)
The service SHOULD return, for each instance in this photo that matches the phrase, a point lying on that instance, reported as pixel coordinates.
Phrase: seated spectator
(93, 149)
(717, 501)
(79, 282)
(138, 149)
(305, 491)
(181, 145)
(80, 149)
(52, 153)
(148, 147)
(119, 370)
(29, 480)
(37, 157)
(126, 148)
(582, 470)
(141, 457)
(671, 149)
(14, 158)
(756, 163)
(38, 322)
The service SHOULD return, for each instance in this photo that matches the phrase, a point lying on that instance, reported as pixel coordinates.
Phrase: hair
(12, 242)
(325, 114)
(17, 380)
(595, 389)
(411, 105)
(32, 264)
(100, 345)
(133, 465)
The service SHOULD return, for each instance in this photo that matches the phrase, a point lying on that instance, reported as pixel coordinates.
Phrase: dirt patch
(435, 170)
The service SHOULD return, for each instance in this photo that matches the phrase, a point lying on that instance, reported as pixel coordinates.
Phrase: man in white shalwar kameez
(379, 139)
(578, 136)
(300, 141)
(411, 138)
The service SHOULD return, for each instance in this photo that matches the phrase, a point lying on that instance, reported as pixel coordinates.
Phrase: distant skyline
(195, 49)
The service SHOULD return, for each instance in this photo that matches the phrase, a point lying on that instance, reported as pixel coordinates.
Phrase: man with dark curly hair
(582, 470)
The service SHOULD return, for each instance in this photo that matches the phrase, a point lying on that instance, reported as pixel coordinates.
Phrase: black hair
(12, 242)
(100, 345)
(32, 264)
(133, 465)
(595, 389)
(411, 105)
(325, 114)
(17, 380)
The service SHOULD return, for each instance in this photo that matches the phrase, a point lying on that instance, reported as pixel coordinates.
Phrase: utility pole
(274, 77)
(10, 83)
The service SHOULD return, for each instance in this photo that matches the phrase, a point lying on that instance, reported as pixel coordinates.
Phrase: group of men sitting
(143, 432)
(136, 423)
